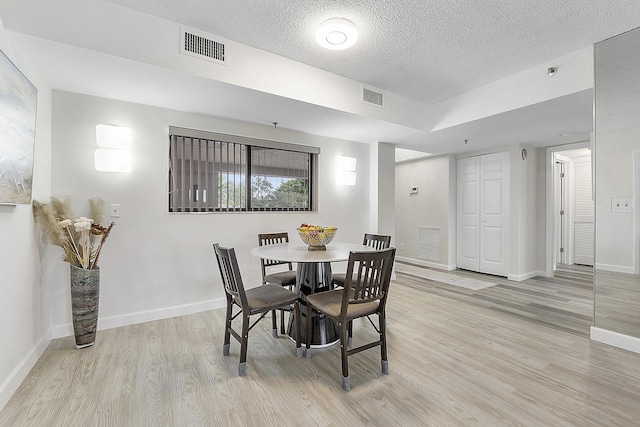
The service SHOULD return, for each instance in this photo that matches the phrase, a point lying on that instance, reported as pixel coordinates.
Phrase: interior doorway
(572, 230)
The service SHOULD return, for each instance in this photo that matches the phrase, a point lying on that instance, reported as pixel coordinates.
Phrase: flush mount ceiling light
(336, 34)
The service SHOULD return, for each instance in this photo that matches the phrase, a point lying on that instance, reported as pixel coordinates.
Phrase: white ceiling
(428, 50)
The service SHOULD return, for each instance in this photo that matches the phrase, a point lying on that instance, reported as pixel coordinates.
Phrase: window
(210, 172)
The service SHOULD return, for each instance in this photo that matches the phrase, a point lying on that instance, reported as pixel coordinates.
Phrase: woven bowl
(317, 239)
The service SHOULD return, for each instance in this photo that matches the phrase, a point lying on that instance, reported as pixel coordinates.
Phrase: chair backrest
(368, 276)
(377, 241)
(272, 239)
(230, 273)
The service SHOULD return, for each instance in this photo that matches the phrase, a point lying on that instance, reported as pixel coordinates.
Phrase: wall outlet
(401, 246)
(413, 190)
(115, 211)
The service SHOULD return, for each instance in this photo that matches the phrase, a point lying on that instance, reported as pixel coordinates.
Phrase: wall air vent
(202, 46)
(372, 97)
(429, 243)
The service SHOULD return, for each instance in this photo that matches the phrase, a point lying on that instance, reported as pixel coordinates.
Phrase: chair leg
(350, 335)
(346, 381)
(274, 324)
(296, 314)
(227, 327)
(309, 321)
(242, 367)
(282, 328)
(383, 343)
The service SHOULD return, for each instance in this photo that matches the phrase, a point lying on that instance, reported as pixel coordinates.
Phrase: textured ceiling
(425, 49)
(429, 50)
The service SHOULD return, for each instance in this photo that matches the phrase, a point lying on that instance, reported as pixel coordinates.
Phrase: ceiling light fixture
(336, 34)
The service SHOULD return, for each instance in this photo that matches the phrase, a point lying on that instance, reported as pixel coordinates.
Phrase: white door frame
(550, 226)
(559, 223)
(568, 217)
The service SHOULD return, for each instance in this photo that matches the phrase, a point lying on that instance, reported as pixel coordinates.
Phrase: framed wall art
(18, 98)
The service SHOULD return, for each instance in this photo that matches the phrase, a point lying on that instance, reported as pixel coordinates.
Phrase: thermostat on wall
(413, 190)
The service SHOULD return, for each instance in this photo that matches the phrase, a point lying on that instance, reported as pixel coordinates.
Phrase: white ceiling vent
(372, 97)
(202, 46)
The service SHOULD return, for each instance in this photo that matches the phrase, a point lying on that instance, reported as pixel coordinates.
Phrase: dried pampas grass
(79, 249)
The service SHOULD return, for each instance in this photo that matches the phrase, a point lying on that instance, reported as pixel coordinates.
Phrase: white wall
(435, 206)
(382, 190)
(157, 264)
(528, 232)
(430, 207)
(24, 310)
(615, 237)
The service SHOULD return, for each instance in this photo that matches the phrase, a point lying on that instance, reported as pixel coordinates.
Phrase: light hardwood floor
(451, 363)
(563, 302)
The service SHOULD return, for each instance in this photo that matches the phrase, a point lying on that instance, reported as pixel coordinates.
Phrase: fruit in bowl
(316, 236)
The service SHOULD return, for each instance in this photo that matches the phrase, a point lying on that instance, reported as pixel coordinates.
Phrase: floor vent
(372, 97)
(202, 46)
(429, 243)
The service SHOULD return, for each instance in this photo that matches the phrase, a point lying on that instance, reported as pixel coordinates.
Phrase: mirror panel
(617, 184)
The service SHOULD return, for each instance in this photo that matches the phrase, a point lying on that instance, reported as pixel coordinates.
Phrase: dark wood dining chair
(259, 300)
(376, 241)
(285, 278)
(364, 294)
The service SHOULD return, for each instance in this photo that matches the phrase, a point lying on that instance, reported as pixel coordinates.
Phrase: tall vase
(85, 290)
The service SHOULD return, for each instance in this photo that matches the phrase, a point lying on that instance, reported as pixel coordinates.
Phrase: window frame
(247, 142)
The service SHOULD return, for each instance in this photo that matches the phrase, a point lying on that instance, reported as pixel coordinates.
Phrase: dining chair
(364, 294)
(259, 300)
(285, 278)
(376, 241)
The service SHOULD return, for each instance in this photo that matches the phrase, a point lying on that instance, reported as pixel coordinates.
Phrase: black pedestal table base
(311, 278)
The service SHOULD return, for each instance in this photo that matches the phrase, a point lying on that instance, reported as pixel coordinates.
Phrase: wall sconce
(346, 170)
(115, 154)
(112, 160)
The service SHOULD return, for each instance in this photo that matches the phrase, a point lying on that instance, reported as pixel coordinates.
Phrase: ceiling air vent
(371, 97)
(202, 46)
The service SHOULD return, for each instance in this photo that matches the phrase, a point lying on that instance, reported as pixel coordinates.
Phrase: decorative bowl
(317, 237)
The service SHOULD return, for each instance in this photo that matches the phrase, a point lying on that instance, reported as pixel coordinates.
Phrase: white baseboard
(424, 263)
(525, 276)
(615, 268)
(616, 339)
(11, 384)
(66, 329)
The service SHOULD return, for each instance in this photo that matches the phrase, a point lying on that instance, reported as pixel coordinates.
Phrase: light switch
(115, 211)
(622, 204)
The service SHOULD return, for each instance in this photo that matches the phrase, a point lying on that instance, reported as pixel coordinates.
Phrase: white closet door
(494, 214)
(469, 213)
(483, 214)
(583, 213)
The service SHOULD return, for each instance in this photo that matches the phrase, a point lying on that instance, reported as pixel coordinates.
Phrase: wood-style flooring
(451, 363)
(563, 302)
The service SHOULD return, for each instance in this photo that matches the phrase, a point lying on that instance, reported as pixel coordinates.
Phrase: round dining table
(313, 274)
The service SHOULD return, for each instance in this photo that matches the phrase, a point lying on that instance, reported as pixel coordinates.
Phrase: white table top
(298, 252)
